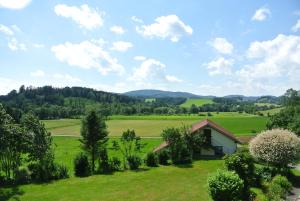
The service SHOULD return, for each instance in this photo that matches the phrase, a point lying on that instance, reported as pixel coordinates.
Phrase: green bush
(225, 186)
(151, 159)
(82, 166)
(62, 172)
(22, 175)
(163, 157)
(134, 162)
(278, 188)
(115, 164)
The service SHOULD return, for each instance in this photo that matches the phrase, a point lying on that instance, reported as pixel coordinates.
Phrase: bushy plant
(225, 186)
(278, 188)
(22, 175)
(104, 165)
(151, 159)
(277, 147)
(163, 157)
(115, 164)
(62, 172)
(134, 162)
(82, 166)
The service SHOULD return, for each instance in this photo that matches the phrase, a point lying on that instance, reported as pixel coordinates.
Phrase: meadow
(152, 125)
(196, 101)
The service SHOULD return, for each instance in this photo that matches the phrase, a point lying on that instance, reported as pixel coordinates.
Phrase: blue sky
(204, 47)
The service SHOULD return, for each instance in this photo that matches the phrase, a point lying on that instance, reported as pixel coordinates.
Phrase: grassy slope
(271, 111)
(197, 101)
(167, 183)
(150, 126)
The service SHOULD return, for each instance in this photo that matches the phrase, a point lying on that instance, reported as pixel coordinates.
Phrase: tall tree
(94, 135)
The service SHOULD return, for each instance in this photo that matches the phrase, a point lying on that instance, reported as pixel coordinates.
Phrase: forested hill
(49, 102)
(152, 93)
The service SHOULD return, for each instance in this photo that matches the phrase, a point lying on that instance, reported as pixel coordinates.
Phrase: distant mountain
(152, 93)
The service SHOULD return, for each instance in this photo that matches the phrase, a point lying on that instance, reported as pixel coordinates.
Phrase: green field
(152, 126)
(271, 111)
(196, 101)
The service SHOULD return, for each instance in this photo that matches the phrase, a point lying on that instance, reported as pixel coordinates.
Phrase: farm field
(271, 111)
(152, 126)
(168, 183)
(196, 101)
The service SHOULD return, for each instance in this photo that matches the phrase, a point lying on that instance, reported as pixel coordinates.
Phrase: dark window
(207, 136)
(219, 150)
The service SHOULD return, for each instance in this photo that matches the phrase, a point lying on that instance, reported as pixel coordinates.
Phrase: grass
(271, 111)
(167, 183)
(267, 104)
(152, 126)
(196, 101)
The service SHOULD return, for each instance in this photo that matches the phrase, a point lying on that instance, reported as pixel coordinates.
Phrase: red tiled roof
(201, 125)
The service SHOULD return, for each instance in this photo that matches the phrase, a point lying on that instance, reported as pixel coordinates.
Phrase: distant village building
(221, 141)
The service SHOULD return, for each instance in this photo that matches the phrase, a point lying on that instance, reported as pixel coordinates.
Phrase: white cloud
(85, 16)
(170, 27)
(222, 45)
(6, 30)
(14, 4)
(277, 58)
(37, 73)
(121, 46)
(87, 55)
(220, 66)
(139, 58)
(136, 19)
(296, 27)
(172, 78)
(66, 77)
(261, 14)
(117, 30)
(14, 45)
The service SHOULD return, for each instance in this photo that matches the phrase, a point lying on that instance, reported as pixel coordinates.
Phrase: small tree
(82, 166)
(151, 159)
(225, 186)
(94, 136)
(276, 147)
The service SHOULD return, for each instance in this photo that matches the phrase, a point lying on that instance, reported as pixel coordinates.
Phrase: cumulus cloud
(172, 78)
(14, 4)
(85, 16)
(117, 30)
(277, 58)
(121, 46)
(220, 66)
(222, 45)
(6, 30)
(87, 55)
(66, 77)
(37, 73)
(136, 19)
(170, 27)
(15, 45)
(261, 14)
(296, 27)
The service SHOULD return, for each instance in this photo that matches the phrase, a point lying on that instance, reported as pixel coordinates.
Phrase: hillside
(160, 94)
(196, 101)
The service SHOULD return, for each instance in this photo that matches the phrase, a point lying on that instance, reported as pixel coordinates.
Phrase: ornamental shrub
(22, 175)
(225, 186)
(82, 166)
(134, 162)
(276, 147)
(151, 159)
(278, 188)
(163, 157)
(115, 164)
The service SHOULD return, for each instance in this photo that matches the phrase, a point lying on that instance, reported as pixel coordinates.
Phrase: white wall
(218, 139)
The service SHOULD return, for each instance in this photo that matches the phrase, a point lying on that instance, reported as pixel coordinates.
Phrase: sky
(203, 47)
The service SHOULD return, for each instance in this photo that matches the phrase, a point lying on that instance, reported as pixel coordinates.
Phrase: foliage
(22, 175)
(151, 159)
(82, 165)
(278, 188)
(104, 165)
(115, 164)
(94, 136)
(134, 162)
(276, 147)
(243, 164)
(163, 157)
(62, 172)
(225, 186)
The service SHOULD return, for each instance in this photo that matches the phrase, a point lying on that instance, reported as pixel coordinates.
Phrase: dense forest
(72, 102)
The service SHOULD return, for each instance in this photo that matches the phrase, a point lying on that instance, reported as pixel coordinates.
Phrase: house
(221, 141)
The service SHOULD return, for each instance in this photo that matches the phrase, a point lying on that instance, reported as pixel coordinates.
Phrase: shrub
(225, 186)
(22, 175)
(62, 172)
(163, 157)
(115, 164)
(104, 165)
(134, 162)
(277, 147)
(278, 188)
(82, 166)
(151, 159)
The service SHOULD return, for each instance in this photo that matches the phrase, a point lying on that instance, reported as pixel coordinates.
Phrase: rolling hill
(161, 94)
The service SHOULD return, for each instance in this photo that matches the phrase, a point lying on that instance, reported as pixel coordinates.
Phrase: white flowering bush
(277, 147)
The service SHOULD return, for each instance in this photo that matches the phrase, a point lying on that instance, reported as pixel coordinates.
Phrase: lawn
(165, 183)
(152, 125)
(196, 101)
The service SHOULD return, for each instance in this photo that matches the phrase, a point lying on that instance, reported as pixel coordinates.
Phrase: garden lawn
(152, 126)
(165, 183)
